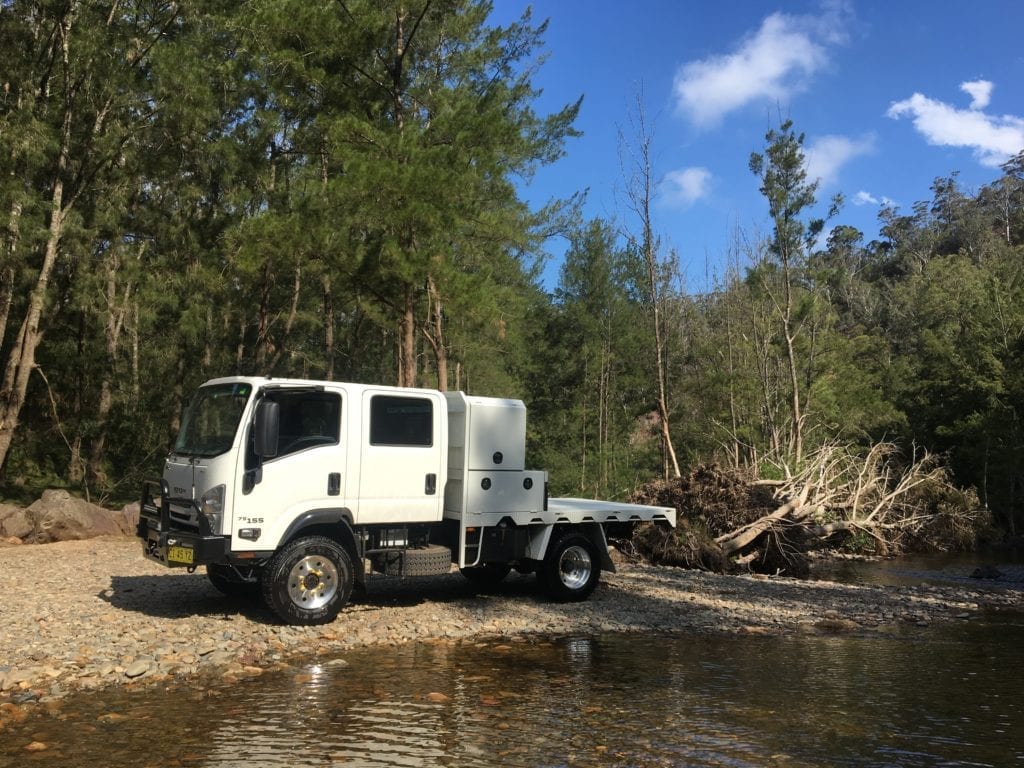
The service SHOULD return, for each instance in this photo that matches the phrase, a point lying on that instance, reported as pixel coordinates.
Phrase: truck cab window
(308, 420)
(211, 420)
(401, 421)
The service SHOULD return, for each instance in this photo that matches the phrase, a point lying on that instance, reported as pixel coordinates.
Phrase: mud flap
(595, 532)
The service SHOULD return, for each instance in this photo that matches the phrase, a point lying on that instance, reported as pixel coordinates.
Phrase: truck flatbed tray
(590, 510)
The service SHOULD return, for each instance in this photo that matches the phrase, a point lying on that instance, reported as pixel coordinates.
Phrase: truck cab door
(307, 470)
(402, 465)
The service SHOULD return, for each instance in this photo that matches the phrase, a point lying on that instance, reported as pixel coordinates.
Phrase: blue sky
(890, 96)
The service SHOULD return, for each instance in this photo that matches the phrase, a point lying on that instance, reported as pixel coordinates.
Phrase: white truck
(300, 490)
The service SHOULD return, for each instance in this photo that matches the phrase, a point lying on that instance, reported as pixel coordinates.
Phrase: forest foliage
(330, 190)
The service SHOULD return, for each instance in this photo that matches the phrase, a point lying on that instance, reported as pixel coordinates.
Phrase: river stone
(137, 668)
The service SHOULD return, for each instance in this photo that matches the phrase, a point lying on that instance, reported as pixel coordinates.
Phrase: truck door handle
(431, 485)
(334, 484)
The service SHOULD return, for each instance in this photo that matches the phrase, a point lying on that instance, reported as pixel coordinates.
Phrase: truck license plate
(180, 555)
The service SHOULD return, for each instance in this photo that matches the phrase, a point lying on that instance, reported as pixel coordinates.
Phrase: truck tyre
(488, 575)
(227, 582)
(309, 581)
(571, 568)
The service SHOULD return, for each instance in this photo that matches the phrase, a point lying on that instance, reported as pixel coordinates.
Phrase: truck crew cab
(301, 489)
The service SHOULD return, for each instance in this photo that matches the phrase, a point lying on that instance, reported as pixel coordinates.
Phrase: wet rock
(986, 572)
(836, 625)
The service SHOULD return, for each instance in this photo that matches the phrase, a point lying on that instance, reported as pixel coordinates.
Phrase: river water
(946, 695)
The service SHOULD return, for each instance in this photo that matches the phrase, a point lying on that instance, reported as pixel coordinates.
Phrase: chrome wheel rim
(312, 582)
(574, 567)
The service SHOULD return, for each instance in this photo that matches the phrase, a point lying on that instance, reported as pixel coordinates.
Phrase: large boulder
(59, 516)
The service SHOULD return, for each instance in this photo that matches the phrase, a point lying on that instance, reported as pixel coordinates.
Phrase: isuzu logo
(180, 491)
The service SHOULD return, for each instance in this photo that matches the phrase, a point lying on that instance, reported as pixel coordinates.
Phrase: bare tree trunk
(407, 341)
(177, 394)
(117, 311)
(797, 434)
(289, 323)
(733, 410)
(263, 322)
(136, 376)
(640, 192)
(9, 260)
(328, 329)
(240, 346)
(22, 357)
(435, 333)
(602, 416)
(207, 359)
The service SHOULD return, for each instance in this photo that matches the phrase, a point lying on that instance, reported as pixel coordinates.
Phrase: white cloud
(772, 64)
(980, 92)
(994, 138)
(826, 155)
(685, 186)
(866, 198)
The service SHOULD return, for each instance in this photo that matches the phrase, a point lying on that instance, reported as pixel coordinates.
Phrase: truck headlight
(211, 504)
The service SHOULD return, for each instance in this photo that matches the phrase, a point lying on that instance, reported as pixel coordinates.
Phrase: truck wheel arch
(572, 566)
(335, 524)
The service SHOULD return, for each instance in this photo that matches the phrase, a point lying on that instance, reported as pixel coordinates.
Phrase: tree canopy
(331, 190)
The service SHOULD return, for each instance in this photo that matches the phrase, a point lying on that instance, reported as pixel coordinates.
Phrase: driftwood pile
(873, 502)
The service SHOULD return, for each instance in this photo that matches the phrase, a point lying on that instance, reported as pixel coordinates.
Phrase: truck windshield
(211, 420)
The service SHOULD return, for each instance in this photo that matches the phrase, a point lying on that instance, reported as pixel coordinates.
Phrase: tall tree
(783, 176)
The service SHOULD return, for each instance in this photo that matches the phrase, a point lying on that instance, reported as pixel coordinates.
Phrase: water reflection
(948, 696)
(936, 569)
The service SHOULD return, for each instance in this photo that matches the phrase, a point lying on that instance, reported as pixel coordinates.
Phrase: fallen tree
(877, 501)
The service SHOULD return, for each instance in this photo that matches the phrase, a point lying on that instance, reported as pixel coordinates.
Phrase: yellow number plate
(180, 555)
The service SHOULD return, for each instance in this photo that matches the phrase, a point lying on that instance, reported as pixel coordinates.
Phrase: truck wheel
(571, 568)
(488, 575)
(226, 580)
(309, 581)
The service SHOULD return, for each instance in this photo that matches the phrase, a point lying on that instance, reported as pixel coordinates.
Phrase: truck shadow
(182, 595)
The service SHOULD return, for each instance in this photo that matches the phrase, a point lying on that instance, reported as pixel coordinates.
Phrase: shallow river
(938, 696)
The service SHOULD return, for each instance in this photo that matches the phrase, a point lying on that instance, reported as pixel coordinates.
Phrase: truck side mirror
(266, 428)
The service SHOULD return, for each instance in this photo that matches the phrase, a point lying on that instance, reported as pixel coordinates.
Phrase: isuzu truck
(301, 490)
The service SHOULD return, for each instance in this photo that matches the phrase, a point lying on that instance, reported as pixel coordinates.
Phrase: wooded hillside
(330, 191)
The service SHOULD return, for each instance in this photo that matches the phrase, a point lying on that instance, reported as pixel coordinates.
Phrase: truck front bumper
(178, 549)
(165, 543)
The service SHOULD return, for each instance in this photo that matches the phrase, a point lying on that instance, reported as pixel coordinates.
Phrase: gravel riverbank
(91, 614)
